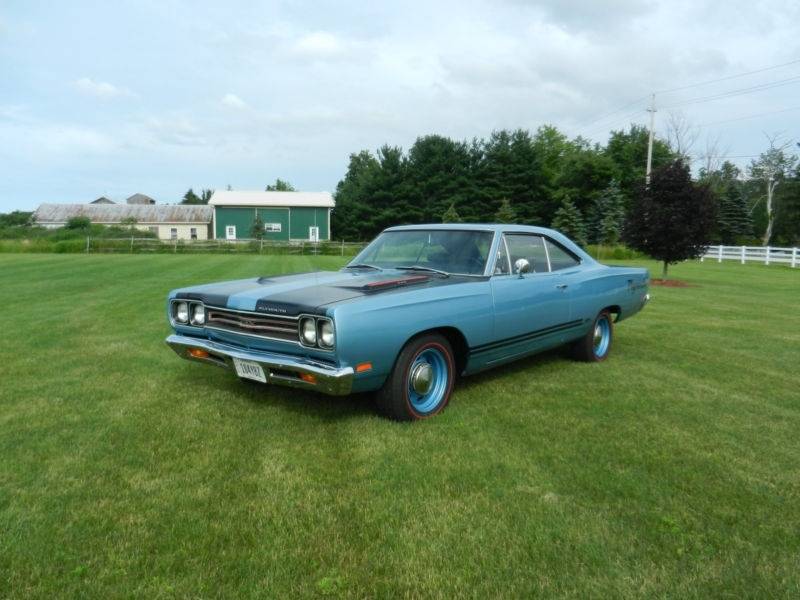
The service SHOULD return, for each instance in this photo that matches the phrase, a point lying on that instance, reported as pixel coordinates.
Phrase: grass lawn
(673, 469)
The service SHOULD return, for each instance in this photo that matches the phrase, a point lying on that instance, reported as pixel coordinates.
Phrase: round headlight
(326, 336)
(308, 331)
(182, 312)
(198, 314)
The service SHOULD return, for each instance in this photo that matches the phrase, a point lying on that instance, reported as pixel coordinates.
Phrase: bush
(618, 252)
(78, 223)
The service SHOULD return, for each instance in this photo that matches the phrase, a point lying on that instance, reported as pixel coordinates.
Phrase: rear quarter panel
(602, 286)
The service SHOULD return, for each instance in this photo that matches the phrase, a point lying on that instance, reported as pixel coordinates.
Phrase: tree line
(545, 178)
(190, 197)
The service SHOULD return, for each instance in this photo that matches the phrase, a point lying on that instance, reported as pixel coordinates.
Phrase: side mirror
(521, 266)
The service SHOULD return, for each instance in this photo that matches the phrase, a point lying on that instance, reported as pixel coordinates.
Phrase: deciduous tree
(280, 186)
(673, 218)
(771, 168)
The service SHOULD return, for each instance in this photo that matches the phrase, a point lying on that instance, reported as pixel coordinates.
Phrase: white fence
(762, 254)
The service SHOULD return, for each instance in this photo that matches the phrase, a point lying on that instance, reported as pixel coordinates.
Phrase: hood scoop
(382, 285)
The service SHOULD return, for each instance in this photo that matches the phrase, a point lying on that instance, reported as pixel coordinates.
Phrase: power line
(703, 157)
(729, 77)
(730, 93)
(610, 114)
(736, 92)
(745, 117)
(626, 117)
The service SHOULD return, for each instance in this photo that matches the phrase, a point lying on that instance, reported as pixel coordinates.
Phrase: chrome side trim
(279, 368)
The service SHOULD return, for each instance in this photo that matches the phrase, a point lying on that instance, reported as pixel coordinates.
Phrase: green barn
(284, 216)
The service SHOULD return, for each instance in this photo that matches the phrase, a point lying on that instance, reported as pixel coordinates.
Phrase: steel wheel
(595, 345)
(421, 380)
(602, 336)
(427, 380)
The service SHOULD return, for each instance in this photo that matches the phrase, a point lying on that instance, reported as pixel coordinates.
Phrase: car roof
(472, 227)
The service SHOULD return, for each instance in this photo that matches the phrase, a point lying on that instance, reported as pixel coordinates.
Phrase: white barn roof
(296, 199)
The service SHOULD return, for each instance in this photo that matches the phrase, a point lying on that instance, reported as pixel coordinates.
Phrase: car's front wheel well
(614, 310)
(457, 341)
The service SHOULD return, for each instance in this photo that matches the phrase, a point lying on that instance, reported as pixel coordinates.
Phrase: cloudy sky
(112, 98)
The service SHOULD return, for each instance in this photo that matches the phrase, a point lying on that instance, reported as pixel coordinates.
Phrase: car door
(531, 310)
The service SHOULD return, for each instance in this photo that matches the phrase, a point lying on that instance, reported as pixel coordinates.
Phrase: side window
(560, 258)
(529, 247)
(173, 233)
(501, 265)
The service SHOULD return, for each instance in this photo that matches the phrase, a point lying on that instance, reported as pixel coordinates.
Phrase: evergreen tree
(257, 229)
(352, 212)
(191, 198)
(607, 216)
(506, 213)
(673, 218)
(437, 176)
(569, 221)
(733, 219)
(205, 196)
(451, 215)
(507, 166)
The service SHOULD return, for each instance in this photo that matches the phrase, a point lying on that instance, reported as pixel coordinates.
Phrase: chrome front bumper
(280, 369)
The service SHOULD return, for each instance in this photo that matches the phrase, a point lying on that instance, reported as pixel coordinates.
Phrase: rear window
(560, 258)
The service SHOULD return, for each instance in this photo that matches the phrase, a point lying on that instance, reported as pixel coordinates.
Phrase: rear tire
(421, 381)
(596, 344)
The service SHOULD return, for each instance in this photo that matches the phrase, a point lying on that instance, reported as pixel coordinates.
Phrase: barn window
(193, 233)
(173, 233)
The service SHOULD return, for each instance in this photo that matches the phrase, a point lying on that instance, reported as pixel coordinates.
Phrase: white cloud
(100, 89)
(318, 45)
(174, 130)
(301, 85)
(233, 101)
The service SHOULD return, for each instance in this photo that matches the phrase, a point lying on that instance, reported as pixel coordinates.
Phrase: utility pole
(652, 111)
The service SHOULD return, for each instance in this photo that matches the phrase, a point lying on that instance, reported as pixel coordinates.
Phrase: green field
(672, 469)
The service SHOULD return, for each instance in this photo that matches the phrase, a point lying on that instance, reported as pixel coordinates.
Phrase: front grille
(279, 328)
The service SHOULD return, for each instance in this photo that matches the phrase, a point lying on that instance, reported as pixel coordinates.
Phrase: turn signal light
(197, 353)
(364, 367)
(308, 378)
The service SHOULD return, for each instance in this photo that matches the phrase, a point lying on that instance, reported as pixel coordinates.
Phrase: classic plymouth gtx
(418, 307)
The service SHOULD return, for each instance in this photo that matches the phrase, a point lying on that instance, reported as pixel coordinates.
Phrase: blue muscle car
(418, 307)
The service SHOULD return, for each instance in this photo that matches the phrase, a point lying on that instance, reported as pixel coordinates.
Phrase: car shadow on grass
(534, 365)
(260, 395)
(335, 408)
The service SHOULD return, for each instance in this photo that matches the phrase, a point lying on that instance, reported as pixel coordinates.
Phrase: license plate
(248, 369)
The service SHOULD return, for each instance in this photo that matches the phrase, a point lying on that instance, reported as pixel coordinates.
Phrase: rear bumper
(280, 369)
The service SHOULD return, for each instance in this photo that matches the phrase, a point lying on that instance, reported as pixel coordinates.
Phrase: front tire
(421, 381)
(596, 344)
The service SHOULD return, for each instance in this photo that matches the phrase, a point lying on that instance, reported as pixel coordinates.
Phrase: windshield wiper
(420, 268)
(363, 266)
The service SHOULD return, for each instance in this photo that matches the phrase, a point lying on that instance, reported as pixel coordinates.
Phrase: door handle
(562, 286)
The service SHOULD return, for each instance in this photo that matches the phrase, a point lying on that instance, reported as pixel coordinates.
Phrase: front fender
(376, 331)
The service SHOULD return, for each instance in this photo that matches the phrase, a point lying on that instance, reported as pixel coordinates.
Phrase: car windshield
(452, 251)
